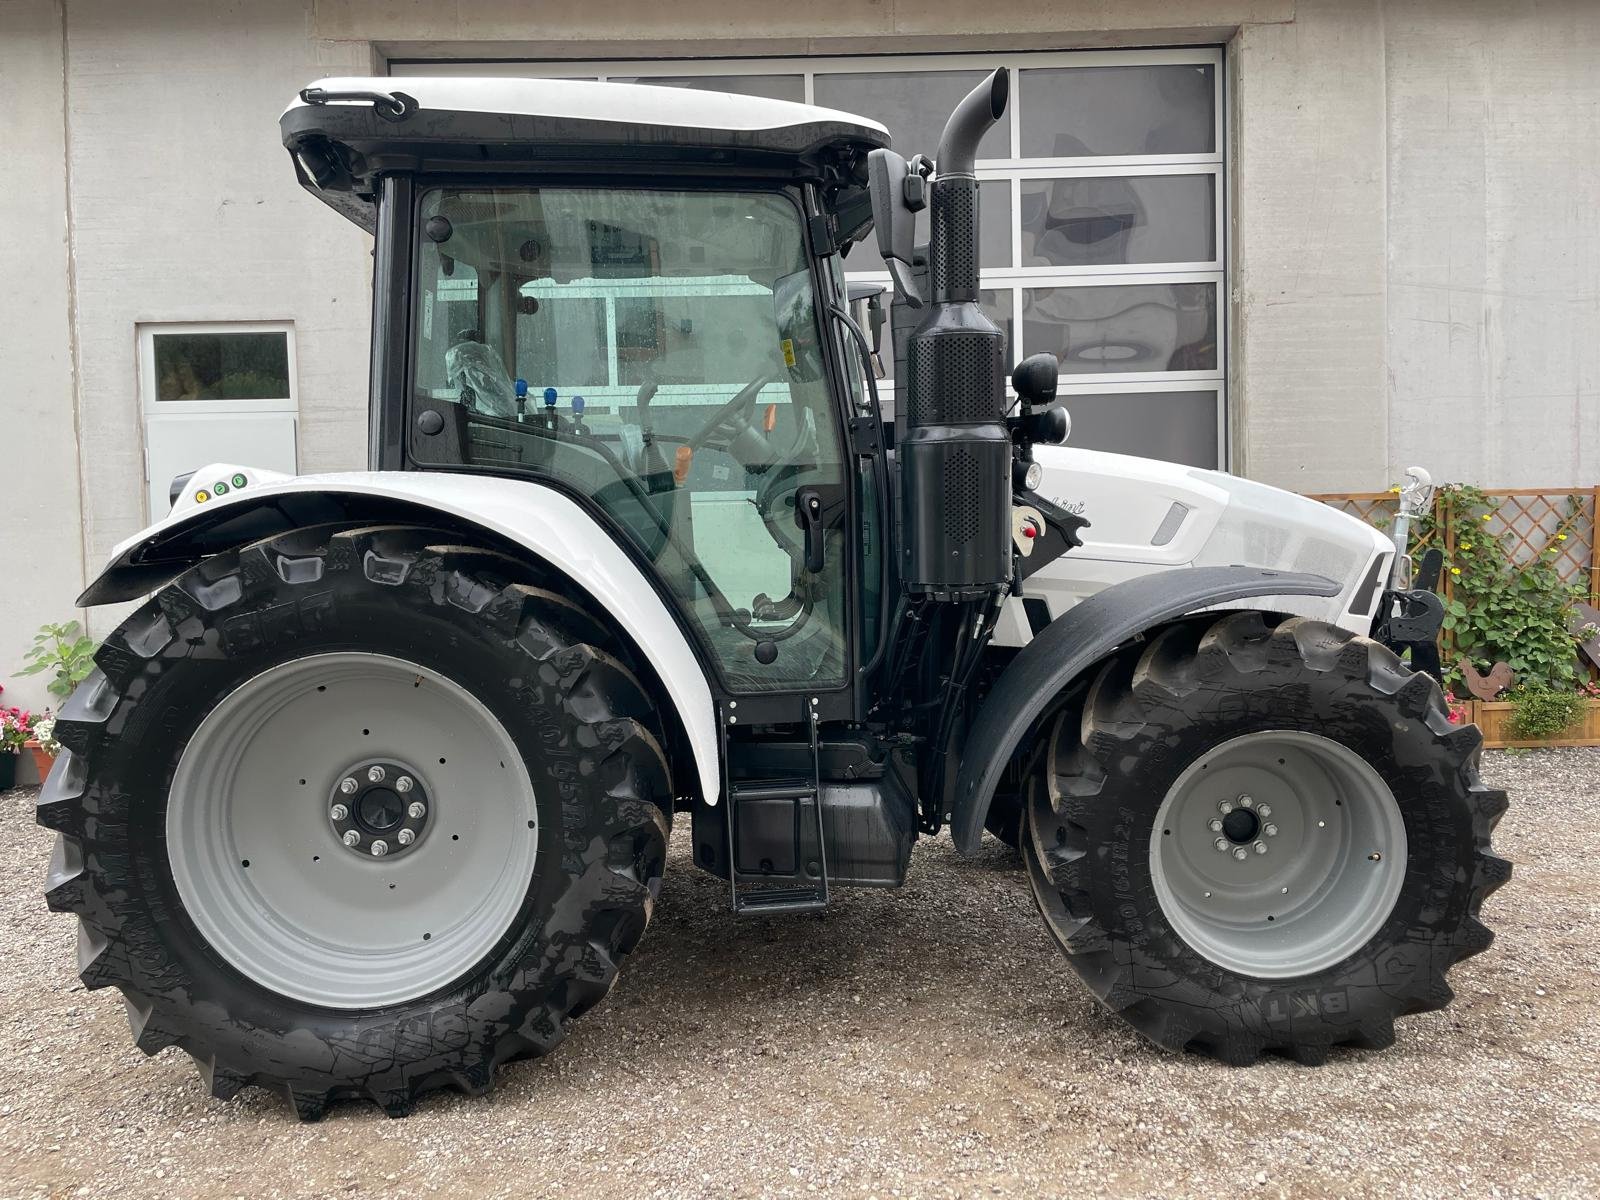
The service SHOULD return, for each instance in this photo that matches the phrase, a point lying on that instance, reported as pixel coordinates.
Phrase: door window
(660, 352)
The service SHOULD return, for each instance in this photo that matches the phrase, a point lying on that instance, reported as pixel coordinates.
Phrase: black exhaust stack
(955, 455)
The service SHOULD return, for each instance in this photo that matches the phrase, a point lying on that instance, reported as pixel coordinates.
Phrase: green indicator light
(220, 488)
(239, 481)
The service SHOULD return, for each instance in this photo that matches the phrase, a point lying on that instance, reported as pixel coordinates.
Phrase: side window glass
(659, 351)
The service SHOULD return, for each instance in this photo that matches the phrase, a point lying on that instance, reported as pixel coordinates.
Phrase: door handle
(808, 512)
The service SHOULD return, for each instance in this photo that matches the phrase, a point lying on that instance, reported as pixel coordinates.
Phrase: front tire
(1314, 927)
(326, 941)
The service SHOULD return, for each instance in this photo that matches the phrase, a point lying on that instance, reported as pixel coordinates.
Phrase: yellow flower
(1455, 570)
(1561, 537)
(1395, 490)
(1486, 517)
(1466, 545)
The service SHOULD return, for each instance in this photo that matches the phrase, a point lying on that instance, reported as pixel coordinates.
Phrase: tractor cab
(650, 316)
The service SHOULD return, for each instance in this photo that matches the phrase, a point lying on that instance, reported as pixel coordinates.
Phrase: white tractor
(371, 793)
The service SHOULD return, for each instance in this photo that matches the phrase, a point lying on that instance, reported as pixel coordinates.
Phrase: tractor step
(777, 852)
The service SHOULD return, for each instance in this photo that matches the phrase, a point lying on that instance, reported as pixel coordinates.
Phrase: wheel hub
(379, 809)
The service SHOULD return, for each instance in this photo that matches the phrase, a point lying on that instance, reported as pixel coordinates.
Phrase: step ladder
(750, 893)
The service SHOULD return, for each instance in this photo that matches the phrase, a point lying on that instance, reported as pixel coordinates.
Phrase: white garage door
(1102, 212)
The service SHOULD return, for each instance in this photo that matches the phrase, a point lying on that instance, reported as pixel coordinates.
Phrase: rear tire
(573, 815)
(1359, 764)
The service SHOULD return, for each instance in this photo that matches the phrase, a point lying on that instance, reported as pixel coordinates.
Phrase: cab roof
(344, 131)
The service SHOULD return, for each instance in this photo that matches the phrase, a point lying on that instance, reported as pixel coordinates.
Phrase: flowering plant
(16, 726)
(1460, 714)
(44, 733)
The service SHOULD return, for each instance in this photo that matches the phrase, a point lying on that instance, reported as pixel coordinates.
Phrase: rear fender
(537, 519)
(1072, 644)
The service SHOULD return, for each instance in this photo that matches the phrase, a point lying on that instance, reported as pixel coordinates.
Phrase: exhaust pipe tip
(973, 117)
(999, 82)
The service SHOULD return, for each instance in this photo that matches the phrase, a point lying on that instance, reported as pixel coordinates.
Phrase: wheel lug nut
(1221, 844)
(1241, 853)
(416, 810)
(351, 837)
(380, 848)
(348, 785)
(403, 784)
(338, 812)
(1260, 847)
(405, 837)
(375, 774)
(1214, 825)
(1270, 829)
(1246, 801)
(1225, 807)
(1265, 810)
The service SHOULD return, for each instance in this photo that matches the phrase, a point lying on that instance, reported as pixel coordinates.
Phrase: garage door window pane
(913, 105)
(1077, 112)
(1116, 219)
(774, 87)
(1177, 426)
(221, 366)
(1131, 327)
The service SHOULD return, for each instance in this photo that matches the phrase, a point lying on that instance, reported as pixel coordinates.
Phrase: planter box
(1492, 716)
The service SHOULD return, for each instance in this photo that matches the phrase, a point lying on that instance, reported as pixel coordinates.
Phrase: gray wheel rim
(1323, 854)
(263, 873)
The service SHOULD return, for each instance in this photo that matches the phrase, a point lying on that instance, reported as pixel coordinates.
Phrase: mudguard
(1076, 641)
(224, 506)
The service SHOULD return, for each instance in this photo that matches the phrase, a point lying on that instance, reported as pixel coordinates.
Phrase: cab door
(659, 352)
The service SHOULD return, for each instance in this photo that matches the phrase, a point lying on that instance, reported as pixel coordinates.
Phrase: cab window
(659, 351)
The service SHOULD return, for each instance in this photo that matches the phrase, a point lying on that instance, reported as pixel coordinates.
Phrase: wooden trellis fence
(1530, 520)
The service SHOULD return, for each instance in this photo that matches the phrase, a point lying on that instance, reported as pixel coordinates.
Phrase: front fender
(541, 520)
(1076, 641)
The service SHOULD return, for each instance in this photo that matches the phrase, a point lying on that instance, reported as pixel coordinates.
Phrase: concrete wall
(41, 552)
(1308, 249)
(185, 208)
(1494, 239)
(1415, 236)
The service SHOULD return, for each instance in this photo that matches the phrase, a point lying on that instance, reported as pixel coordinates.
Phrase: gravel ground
(925, 1043)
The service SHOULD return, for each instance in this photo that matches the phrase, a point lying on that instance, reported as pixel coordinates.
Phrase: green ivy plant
(1540, 713)
(63, 650)
(1500, 610)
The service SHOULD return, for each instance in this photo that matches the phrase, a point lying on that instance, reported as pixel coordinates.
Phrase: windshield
(659, 351)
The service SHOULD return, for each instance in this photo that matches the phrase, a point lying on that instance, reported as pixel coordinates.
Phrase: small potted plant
(15, 726)
(67, 654)
(43, 745)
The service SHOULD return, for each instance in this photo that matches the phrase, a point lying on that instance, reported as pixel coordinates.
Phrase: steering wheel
(731, 417)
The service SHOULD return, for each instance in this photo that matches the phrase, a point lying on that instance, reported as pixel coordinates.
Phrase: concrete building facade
(1408, 266)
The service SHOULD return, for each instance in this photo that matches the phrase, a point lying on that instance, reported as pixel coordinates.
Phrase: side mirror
(895, 219)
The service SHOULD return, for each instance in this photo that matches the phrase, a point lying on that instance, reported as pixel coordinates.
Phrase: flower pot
(8, 770)
(43, 760)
